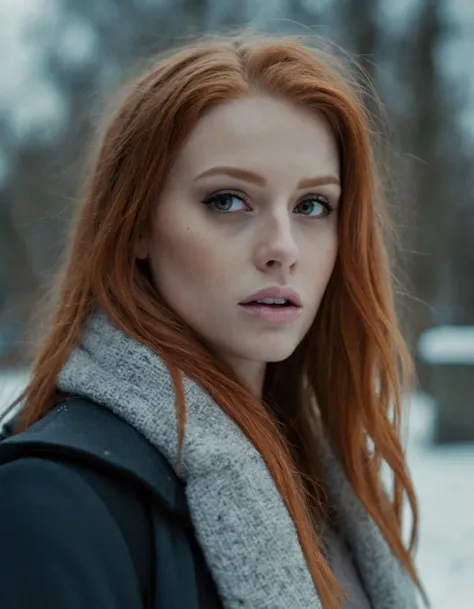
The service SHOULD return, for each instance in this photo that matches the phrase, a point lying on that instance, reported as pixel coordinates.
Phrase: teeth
(272, 301)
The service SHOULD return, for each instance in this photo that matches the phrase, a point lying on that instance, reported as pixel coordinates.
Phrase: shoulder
(37, 489)
(59, 546)
(92, 433)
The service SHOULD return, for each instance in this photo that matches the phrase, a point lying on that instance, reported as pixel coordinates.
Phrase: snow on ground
(444, 482)
(447, 345)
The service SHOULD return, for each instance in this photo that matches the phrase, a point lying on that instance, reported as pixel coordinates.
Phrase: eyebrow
(255, 178)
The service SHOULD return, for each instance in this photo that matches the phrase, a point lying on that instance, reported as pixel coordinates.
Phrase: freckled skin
(206, 261)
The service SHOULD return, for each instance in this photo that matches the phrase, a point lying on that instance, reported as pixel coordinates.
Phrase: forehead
(261, 133)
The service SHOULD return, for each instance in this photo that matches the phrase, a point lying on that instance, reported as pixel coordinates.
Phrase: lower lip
(274, 315)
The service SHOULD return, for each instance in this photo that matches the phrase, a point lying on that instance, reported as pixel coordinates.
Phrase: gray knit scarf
(241, 523)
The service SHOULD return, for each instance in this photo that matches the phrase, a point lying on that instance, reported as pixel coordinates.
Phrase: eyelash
(320, 199)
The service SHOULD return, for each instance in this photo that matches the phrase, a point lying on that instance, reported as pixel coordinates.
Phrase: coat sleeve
(59, 546)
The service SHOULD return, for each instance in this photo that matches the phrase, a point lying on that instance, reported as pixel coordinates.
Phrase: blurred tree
(360, 31)
(431, 132)
(426, 236)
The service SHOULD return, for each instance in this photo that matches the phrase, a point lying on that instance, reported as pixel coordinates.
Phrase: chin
(269, 350)
(278, 357)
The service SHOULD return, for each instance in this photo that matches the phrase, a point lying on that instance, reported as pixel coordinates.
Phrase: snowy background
(444, 481)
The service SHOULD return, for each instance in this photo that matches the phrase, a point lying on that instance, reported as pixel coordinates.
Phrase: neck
(250, 373)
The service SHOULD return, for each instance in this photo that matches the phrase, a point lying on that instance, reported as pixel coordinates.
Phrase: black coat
(93, 517)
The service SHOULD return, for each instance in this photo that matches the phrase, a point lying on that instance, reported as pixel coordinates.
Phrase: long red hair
(353, 363)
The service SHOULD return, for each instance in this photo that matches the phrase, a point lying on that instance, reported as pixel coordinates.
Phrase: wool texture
(242, 525)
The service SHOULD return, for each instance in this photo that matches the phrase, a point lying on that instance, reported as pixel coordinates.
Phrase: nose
(277, 248)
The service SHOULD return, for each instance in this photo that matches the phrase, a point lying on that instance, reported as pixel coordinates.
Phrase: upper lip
(275, 292)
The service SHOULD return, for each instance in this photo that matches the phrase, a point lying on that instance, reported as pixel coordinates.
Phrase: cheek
(188, 259)
(321, 262)
(330, 256)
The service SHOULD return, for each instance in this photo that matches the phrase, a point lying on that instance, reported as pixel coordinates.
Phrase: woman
(226, 293)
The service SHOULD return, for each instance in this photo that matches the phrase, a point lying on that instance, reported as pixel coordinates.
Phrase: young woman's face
(250, 203)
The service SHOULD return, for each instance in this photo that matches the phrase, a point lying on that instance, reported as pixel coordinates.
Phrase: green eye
(314, 208)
